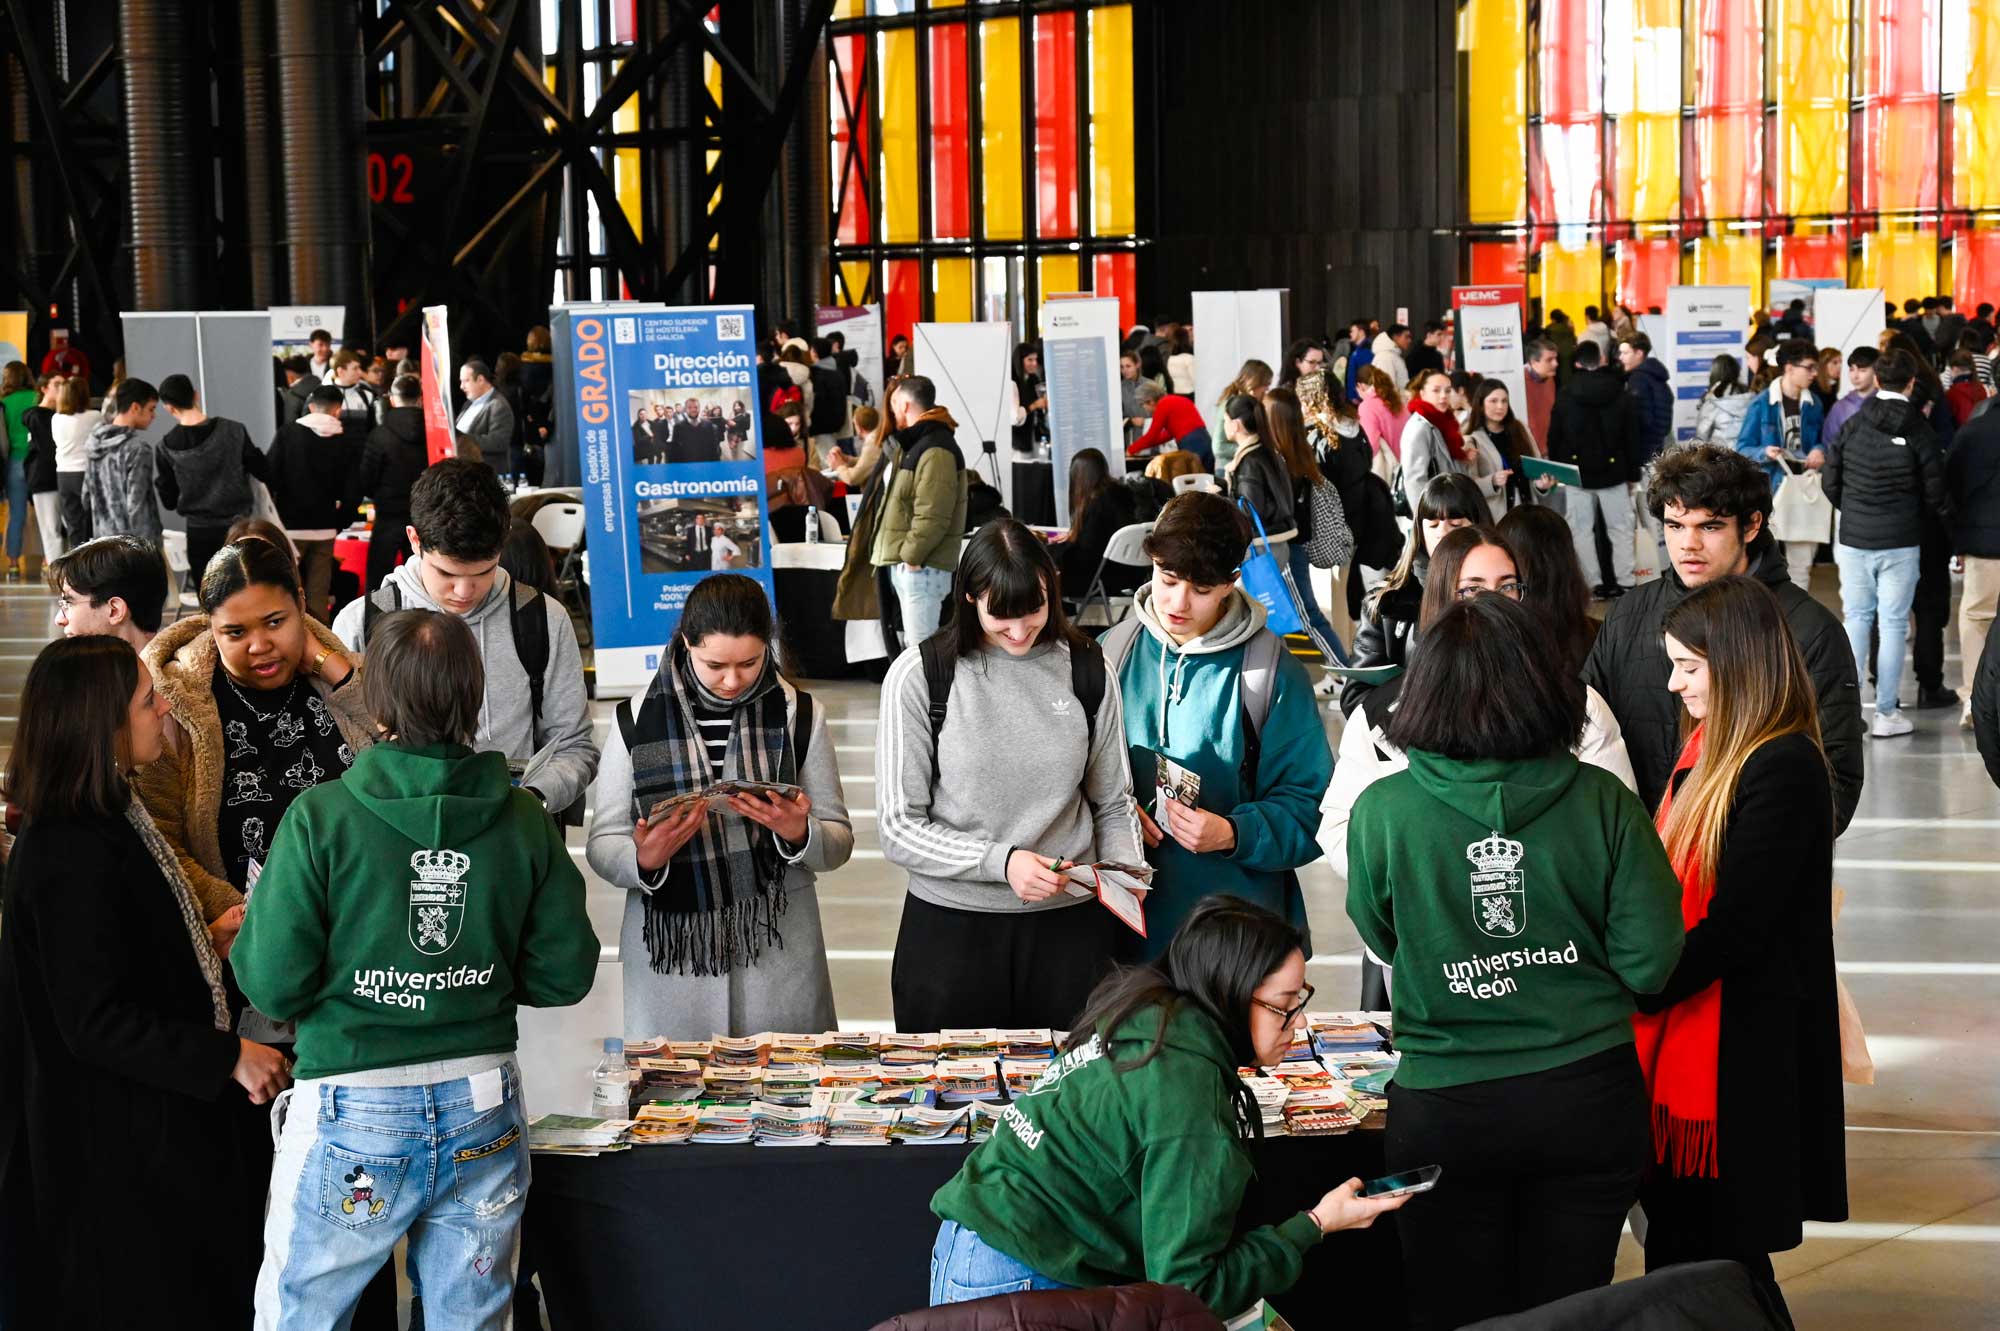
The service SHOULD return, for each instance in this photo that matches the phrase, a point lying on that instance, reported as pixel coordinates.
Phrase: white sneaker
(1965, 718)
(1888, 725)
(1330, 685)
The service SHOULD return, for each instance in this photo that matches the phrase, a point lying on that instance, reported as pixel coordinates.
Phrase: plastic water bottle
(812, 525)
(611, 1085)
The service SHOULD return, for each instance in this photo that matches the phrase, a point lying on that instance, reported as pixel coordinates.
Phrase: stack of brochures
(723, 1125)
(663, 1125)
(860, 1125)
(788, 1125)
(571, 1134)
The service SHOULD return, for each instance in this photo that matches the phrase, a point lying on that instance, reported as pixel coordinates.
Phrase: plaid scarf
(725, 889)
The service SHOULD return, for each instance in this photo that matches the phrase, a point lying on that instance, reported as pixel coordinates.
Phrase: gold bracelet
(319, 661)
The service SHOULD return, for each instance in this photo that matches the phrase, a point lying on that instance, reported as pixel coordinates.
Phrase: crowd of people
(286, 875)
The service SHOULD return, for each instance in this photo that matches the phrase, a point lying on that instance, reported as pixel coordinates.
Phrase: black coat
(1261, 477)
(310, 477)
(396, 454)
(1768, 937)
(1885, 476)
(116, 1104)
(41, 449)
(1388, 623)
(1594, 426)
(1345, 460)
(1972, 479)
(1628, 667)
(1077, 560)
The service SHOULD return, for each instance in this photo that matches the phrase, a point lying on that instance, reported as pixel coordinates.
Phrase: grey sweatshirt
(1012, 773)
(506, 715)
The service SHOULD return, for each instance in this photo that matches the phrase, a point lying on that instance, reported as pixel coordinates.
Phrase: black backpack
(1087, 677)
(529, 620)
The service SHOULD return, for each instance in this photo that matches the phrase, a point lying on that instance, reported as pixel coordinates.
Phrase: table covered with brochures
(694, 1238)
(785, 1180)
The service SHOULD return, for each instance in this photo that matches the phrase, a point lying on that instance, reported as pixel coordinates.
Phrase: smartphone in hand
(1404, 1184)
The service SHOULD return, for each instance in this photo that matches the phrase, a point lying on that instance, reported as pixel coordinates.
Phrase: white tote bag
(1800, 510)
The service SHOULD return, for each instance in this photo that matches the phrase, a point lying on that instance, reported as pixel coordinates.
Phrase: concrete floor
(1916, 947)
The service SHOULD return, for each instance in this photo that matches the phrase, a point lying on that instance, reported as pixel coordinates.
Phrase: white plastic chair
(1195, 480)
(829, 528)
(561, 529)
(1127, 546)
(174, 545)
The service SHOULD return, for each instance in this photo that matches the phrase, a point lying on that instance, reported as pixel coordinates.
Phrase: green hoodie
(1567, 909)
(1099, 1177)
(408, 907)
(1186, 701)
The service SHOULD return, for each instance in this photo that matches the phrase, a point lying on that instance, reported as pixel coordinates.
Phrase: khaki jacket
(923, 516)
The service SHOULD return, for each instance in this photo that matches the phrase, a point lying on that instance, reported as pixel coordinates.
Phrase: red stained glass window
(1896, 143)
(1055, 124)
(902, 296)
(1801, 257)
(1976, 269)
(1498, 263)
(853, 157)
(951, 191)
(1117, 275)
(1728, 129)
(1646, 268)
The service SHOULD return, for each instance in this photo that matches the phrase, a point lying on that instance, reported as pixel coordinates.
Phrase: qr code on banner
(729, 327)
(624, 331)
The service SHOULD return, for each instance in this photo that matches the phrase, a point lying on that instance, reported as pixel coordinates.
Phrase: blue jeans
(965, 1267)
(18, 504)
(921, 593)
(1315, 617)
(359, 1167)
(1884, 583)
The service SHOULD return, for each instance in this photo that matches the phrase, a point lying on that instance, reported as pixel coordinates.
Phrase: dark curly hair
(459, 509)
(1712, 478)
(1201, 537)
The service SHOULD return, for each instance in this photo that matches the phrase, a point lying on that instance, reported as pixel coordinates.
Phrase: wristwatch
(538, 795)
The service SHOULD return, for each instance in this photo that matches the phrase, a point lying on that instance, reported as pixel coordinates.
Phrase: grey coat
(788, 988)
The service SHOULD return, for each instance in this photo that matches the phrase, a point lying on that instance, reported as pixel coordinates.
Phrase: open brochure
(1173, 783)
(1121, 887)
(716, 797)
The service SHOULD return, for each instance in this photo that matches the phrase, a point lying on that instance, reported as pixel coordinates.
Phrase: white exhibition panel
(1080, 361)
(1706, 322)
(1231, 327)
(293, 325)
(1489, 339)
(970, 365)
(1848, 319)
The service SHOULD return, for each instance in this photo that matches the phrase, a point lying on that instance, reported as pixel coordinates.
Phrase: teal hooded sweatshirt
(408, 908)
(1522, 904)
(1186, 701)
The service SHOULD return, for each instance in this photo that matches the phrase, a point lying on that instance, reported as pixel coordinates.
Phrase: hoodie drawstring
(1170, 692)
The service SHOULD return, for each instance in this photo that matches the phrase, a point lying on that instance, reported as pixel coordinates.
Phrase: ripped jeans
(359, 1166)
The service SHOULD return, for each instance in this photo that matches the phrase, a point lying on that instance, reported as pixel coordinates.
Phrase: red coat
(1174, 419)
(1964, 396)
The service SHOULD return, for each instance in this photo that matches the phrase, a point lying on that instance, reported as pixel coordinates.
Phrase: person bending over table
(1127, 1162)
(992, 784)
(1522, 898)
(722, 927)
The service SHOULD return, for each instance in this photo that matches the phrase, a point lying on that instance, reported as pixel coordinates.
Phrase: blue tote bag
(1269, 582)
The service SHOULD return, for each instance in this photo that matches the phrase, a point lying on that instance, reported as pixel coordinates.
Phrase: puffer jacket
(1718, 420)
(1147, 1307)
(1592, 427)
(1972, 478)
(1653, 402)
(1885, 476)
(923, 516)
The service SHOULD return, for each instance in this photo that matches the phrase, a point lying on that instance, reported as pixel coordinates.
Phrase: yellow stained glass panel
(899, 136)
(1058, 274)
(1492, 34)
(1732, 260)
(1111, 208)
(1000, 127)
(1902, 263)
(951, 291)
(1807, 71)
(1572, 276)
(1976, 117)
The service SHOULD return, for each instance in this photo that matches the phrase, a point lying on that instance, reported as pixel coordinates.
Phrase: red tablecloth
(350, 551)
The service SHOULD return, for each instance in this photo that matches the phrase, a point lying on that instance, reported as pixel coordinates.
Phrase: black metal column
(325, 186)
(162, 85)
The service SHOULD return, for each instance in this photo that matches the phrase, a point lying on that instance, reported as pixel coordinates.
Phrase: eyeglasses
(1512, 590)
(65, 602)
(1284, 1016)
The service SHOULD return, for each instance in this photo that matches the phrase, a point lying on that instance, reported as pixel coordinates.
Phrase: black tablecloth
(814, 639)
(830, 1238)
(1034, 494)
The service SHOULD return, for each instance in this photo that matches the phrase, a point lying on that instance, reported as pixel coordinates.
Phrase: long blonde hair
(1758, 690)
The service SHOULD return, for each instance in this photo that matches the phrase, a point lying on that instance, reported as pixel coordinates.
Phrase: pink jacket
(1383, 427)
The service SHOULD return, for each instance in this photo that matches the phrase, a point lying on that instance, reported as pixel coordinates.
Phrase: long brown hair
(1441, 582)
(1286, 432)
(1089, 477)
(74, 707)
(1758, 690)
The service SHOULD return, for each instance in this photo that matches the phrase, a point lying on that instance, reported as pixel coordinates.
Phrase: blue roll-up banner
(672, 453)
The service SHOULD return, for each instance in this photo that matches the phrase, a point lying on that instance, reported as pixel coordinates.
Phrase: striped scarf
(170, 869)
(725, 889)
